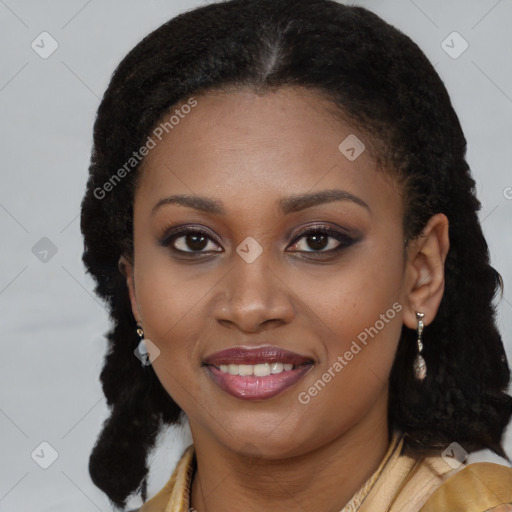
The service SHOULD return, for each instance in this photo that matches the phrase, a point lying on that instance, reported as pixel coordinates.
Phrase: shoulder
(478, 487)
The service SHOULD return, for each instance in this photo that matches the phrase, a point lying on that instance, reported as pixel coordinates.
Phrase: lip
(252, 387)
(256, 355)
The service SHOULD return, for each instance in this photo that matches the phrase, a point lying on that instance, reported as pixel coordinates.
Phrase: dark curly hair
(379, 80)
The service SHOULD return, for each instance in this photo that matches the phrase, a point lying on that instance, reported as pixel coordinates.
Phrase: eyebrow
(288, 205)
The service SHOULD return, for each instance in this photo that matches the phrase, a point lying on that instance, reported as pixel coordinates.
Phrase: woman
(281, 218)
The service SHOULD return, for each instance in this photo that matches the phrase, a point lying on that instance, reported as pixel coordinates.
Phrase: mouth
(256, 373)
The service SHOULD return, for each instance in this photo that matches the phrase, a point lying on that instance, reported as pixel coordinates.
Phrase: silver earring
(141, 352)
(420, 366)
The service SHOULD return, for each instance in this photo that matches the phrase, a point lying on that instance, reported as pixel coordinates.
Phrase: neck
(320, 480)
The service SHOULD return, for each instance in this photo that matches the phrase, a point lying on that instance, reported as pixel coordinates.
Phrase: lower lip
(257, 388)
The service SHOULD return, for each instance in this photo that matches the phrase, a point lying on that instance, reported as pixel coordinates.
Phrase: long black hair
(382, 82)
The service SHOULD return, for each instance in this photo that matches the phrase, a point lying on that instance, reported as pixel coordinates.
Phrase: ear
(126, 268)
(424, 280)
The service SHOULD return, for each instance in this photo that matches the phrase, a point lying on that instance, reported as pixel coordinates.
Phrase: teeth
(261, 370)
(258, 370)
(276, 367)
(245, 369)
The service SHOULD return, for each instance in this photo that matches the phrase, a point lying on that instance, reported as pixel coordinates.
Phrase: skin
(249, 151)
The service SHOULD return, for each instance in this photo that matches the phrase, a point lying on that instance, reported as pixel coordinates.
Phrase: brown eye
(322, 240)
(317, 242)
(190, 241)
(194, 242)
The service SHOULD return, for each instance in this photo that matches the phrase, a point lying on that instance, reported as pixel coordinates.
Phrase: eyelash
(344, 240)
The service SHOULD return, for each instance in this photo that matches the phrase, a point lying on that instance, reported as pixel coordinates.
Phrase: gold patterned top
(401, 483)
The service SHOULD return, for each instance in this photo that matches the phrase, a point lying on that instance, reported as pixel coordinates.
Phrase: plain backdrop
(52, 325)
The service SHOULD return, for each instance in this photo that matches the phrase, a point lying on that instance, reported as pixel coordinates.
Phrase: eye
(318, 239)
(190, 241)
(322, 239)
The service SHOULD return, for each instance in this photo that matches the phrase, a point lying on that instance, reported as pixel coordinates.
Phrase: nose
(254, 297)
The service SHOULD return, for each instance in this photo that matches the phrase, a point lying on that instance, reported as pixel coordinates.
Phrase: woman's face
(258, 256)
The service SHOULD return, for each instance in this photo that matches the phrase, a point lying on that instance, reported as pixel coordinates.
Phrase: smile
(256, 373)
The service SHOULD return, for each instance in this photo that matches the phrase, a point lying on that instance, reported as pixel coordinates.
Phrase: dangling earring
(420, 366)
(141, 352)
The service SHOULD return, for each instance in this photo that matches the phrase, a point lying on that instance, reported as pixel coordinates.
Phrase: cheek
(171, 308)
(353, 295)
(171, 311)
(360, 304)
(365, 322)
(172, 304)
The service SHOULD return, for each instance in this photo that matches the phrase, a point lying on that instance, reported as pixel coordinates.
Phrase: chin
(269, 435)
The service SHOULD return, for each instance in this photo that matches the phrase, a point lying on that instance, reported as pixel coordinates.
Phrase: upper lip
(256, 355)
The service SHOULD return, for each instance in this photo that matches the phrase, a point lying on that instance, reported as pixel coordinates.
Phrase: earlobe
(126, 268)
(425, 271)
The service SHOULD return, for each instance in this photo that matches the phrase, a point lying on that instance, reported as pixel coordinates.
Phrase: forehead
(245, 147)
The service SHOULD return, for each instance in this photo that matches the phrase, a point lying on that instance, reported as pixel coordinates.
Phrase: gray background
(52, 324)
